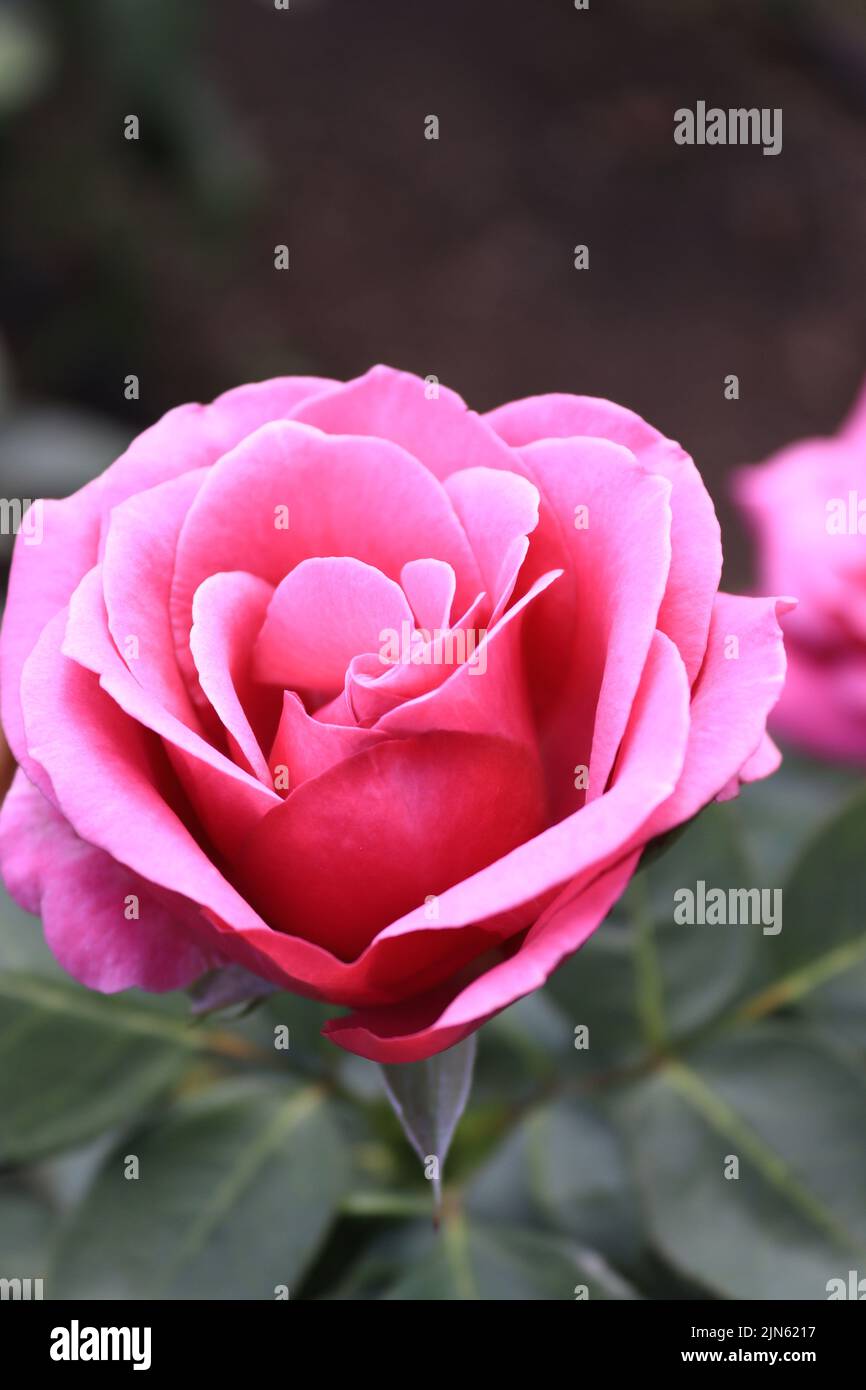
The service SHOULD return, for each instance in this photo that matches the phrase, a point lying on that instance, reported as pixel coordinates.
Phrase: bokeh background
(305, 127)
(453, 257)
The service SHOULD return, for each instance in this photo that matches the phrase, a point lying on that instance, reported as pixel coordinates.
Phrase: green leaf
(289, 1028)
(236, 1191)
(22, 945)
(596, 989)
(467, 1262)
(703, 968)
(25, 1223)
(565, 1164)
(643, 980)
(521, 1049)
(384, 1260)
(816, 963)
(73, 1064)
(782, 813)
(791, 1112)
(429, 1097)
(838, 1008)
(822, 943)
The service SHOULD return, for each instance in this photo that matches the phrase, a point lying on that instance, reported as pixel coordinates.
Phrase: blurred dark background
(455, 257)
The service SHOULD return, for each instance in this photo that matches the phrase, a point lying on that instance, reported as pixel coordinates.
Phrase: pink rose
(808, 508)
(229, 757)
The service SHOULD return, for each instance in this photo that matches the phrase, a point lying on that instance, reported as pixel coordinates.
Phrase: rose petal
(43, 577)
(410, 817)
(307, 747)
(648, 768)
(419, 1028)
(246, 408)
(378, 684)
(325, 612)
(737, 689)
(588, 640)
(137, 566)
(83, 897)
(227, 799)
(439, 429)
(112, 786)
(696, 561)
(498, 510)
(228, 610)
(765, 760)
(342, 496)
(484, 694)
(429, 585)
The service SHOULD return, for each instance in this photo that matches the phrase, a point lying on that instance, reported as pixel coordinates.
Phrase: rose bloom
(227, 758)
(807, 506)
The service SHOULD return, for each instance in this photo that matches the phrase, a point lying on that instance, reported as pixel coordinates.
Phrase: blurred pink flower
(807, 505)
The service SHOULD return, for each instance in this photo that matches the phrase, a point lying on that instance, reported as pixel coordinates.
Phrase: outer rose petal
(247, 408)
(731, 701)
(439, 430)
(765, 760)
(43, 577)
(227, 799)
(137, 565)
(110, 781)
(81, 893)
(422, 1027)
(590, 638)
(696, 558)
